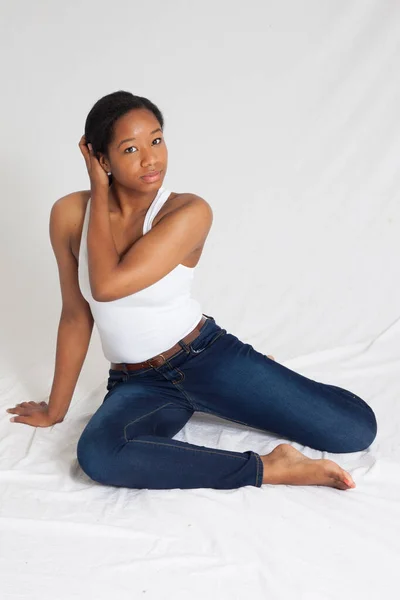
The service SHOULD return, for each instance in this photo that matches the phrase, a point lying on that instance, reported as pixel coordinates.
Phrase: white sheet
(302, 262)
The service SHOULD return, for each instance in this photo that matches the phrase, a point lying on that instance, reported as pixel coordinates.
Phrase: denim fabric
(128, 441)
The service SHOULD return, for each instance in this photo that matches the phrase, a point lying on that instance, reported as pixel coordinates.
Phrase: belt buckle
(154, 357)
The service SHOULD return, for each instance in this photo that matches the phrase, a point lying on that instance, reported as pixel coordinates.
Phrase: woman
(126, 251)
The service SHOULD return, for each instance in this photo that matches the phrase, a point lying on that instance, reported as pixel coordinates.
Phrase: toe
(342, 486)
(348, 478)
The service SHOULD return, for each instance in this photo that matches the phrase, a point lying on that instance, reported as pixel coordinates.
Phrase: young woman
(126, 252)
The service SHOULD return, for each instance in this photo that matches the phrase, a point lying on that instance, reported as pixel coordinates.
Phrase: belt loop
(184, 346)
(125, 370)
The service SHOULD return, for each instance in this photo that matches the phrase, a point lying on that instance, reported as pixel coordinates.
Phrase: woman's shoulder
(75, 201)
(70, 210)
(179, 199)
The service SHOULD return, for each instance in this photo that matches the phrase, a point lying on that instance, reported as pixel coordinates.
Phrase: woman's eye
(126, 149)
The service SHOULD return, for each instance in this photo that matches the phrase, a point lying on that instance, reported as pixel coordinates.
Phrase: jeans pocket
(113, 380)
(205, 340)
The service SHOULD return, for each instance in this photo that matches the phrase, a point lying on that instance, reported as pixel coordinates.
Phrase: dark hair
(99, 125)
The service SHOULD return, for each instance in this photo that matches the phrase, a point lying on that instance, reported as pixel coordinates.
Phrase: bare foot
(286, 465)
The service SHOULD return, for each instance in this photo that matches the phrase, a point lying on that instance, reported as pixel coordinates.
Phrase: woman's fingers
(26, 406)
(82, 143)
(17, 410)
(85, 151)
(35, 414)
(19, 419)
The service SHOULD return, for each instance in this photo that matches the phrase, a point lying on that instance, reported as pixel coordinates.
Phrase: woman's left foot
(286, 465)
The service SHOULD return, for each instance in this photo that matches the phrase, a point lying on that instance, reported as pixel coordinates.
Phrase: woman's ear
(104, 163)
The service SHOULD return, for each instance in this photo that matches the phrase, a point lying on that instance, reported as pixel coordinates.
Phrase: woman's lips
(151, 177)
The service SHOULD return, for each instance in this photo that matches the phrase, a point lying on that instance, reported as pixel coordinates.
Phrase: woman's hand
(33, 413)
(98, 177)
(270, 356)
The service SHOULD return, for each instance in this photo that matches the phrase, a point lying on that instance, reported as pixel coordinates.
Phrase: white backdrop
(284, 116)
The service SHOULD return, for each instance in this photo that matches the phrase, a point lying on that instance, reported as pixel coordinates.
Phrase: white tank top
(144, 324)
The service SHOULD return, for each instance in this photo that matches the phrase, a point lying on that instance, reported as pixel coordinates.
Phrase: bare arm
(149, 259)
(76, 321)
(73, 340)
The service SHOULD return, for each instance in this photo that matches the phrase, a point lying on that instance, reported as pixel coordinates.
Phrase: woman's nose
(148, 159)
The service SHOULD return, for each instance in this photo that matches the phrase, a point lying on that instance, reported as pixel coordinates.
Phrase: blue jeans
(128, 441)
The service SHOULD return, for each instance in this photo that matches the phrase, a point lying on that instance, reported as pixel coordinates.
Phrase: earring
(109, 173)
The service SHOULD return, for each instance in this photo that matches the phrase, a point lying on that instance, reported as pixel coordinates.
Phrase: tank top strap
(85, 226)
(155, 207)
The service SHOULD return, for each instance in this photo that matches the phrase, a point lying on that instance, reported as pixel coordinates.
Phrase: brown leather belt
(158, 360)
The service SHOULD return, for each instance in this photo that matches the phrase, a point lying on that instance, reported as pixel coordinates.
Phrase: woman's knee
(370, 429)
(115, 462)
(360, 429)
(89, 453)
(362, 432)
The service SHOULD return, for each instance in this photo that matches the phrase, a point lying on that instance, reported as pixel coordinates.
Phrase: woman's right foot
(286, 465)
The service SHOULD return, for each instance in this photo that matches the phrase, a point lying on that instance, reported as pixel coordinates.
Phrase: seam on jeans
(181, 379)
(258, 466)
(143, 416)
(186, 396)
(234, 420)
(178, 387)
(190, 449)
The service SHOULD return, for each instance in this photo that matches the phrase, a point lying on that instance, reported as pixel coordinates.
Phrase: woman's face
(130, 159)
